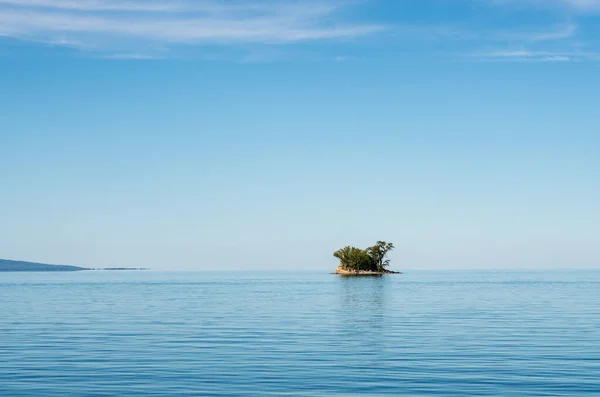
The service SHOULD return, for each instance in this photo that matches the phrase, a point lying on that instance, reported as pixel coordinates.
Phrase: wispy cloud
(583, 5)
(556, 58)
(184, 6)
(534, 56)
(573, 5)
(542, 31)
(105, 24)
(534, 35)
(263, 30)
(526, 56)
(131, 56)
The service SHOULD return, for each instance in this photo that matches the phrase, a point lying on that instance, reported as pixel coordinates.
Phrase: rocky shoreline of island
(350, 272)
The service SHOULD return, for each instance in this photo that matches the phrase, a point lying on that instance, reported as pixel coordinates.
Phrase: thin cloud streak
(534, 56)
(213, 23)
(132, 56)
(562, 43)
(87, 5)
(550, 34)
(579, 6)
(105, 27)
(192, 30)
(181, 6)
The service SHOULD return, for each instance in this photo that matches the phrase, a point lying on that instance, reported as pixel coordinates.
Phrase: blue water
(299, 334)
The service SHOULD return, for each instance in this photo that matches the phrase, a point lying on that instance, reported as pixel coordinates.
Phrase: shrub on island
(372, 259)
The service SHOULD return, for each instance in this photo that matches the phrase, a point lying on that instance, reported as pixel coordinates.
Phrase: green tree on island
(373, 259)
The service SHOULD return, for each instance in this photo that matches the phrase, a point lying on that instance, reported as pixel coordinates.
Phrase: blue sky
(262, 134)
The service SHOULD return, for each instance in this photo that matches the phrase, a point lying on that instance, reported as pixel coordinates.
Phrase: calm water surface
(299, 334)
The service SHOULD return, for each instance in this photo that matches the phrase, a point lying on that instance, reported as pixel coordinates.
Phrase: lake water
(299, 334)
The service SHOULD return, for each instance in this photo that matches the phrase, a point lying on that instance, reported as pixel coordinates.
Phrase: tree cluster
(371, 259)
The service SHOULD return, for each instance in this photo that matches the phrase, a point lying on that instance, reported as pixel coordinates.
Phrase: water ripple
(220, 334)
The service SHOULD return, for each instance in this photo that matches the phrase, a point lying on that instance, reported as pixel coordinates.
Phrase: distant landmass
(20, 266)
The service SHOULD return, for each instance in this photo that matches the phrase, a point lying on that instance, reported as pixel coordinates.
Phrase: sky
(258, 134)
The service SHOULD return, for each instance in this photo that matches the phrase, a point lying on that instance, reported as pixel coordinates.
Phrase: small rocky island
(368, 262)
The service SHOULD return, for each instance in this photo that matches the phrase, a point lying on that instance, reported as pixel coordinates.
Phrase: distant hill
(18, 266)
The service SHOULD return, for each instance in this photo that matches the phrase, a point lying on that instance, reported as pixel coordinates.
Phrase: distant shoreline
(111, 269)
(21, 266)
